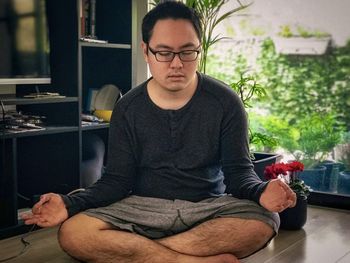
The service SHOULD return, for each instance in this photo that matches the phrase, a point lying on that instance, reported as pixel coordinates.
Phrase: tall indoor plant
(212, 15)
(249, 89)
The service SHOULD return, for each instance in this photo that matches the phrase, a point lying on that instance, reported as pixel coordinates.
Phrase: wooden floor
(324, 239)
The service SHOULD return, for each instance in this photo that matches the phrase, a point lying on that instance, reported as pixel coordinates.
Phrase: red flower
(296, 166)
(290, 172)
(274, 170)
(270, 173)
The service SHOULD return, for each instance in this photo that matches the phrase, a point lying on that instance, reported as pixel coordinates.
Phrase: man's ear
(144, 48)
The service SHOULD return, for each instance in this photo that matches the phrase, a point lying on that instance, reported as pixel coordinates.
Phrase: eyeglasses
(168, 56)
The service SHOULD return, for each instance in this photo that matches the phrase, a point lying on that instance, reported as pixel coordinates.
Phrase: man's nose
(176, 62)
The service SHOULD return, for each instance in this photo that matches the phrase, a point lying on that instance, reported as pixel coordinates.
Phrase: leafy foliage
(299, 85)
(247, 88)
(211, 17)
(310, 139)
(318, 136)
(299, 31)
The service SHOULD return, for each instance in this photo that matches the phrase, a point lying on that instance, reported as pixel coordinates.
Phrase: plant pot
(301, 45)
(331, 175)
(344, 183)
(294, 218)
(261, 160)
(314, 177)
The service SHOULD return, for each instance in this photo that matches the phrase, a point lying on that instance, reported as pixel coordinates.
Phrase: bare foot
(223, 258)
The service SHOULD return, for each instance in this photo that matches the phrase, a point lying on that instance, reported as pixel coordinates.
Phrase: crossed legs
(220, 240)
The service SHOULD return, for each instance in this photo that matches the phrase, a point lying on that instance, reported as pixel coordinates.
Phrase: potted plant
(292, 218)
(301, 41)
(310, 140)
(318, 137)
(343, 183)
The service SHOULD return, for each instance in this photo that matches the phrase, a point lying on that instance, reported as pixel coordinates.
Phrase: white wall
(332, 16)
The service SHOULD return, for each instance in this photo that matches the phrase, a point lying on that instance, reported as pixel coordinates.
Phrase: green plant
(248, 89)
(298, 85)
(248, 28)
(288, 31)
(212, 16)
(234, 70)
(311, 139)
(286, 135)
(285, 31)
(318, 136)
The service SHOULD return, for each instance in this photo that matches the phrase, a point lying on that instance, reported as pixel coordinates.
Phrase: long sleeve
(192, 153)
(119, 174)
(240, 178)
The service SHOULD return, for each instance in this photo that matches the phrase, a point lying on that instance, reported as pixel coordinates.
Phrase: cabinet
(33, 163)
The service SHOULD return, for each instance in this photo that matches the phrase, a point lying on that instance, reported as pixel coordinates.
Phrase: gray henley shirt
(193, 153)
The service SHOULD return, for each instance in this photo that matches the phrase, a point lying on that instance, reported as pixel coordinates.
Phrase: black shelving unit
(50, 160)
(13, 100)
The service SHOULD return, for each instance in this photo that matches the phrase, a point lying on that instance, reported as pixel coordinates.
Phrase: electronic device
(24, 45)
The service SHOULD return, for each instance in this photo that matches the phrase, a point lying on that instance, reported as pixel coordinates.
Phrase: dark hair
(170, 9)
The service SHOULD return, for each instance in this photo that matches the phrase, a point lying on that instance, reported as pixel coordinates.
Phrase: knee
(69, 235)
(260, 234)
(264, 231)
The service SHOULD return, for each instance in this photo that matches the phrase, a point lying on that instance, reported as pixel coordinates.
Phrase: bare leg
(92, 240)
(239, 237)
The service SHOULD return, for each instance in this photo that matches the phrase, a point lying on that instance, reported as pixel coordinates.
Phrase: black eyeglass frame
(155, 52)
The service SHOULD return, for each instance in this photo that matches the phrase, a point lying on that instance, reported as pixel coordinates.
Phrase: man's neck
(168, 99)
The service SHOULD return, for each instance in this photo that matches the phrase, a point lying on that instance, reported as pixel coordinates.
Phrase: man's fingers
(36, 219)
(31, 221)
(290, 194)
(284, 185)
(37, 207)
(25, 216)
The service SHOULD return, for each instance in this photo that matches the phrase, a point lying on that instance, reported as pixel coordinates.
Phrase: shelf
(47, 130)
(13, 100)
(105, 45)
(50, 160)
(95, 126)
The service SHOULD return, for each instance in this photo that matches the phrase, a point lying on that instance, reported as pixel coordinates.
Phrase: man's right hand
(49, 211)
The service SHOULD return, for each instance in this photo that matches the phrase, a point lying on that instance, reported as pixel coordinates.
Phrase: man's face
(172, 35)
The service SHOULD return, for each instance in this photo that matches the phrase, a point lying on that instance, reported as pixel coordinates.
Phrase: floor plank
(43, 248)
(324, 239)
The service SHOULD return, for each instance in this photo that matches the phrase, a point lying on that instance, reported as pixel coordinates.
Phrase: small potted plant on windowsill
(292, 218)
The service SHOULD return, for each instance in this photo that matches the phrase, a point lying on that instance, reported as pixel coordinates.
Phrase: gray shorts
(157, 218)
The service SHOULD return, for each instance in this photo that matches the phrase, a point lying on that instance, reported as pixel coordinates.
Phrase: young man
(179, 184)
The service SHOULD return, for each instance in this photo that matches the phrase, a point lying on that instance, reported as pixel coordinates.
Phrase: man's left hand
(277, 196)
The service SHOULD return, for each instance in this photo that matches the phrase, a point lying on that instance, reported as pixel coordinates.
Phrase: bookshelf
(51, 160)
